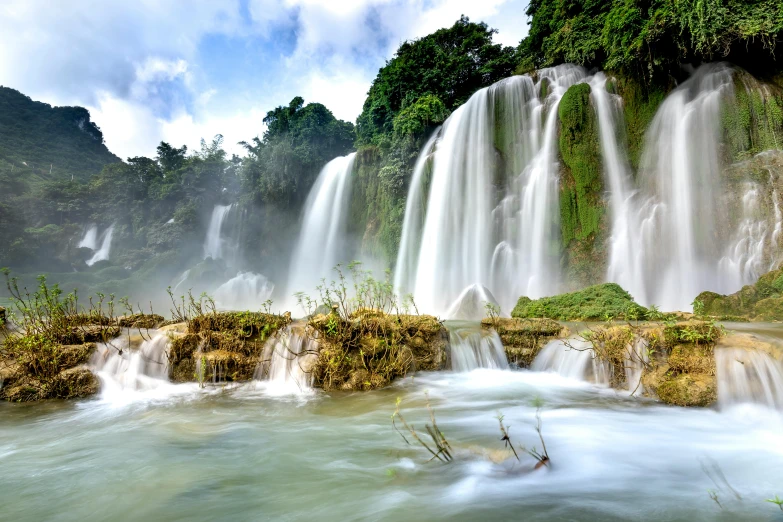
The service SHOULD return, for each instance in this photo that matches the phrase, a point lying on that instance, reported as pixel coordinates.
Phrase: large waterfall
(322, 242)
(479, 227)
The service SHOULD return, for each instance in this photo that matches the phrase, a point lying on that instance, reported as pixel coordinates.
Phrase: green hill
(49, 142)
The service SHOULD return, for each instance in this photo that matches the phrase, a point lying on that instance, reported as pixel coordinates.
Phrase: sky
(182, 70)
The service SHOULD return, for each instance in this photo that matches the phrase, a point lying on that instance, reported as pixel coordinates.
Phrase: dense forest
(57, 177)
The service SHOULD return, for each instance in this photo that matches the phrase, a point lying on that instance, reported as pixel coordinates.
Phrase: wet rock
(523, 338)
(140, 321)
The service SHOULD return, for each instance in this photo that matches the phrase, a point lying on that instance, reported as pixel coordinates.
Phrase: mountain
(49, 142)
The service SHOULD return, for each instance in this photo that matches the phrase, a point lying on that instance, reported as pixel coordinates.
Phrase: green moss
(581, 186)
(762, 301)
(596, 302)
(688, 389)
(640, 103)
(752, 120)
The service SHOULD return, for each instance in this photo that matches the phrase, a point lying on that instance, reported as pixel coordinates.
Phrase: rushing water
(322, 242)
(240, 454)
(472, 347)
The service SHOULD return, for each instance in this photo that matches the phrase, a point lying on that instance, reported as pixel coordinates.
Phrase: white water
(471, 305)
(472, 347)
(214, 243)
(413, 222)
(284, 368)
(748, 376)
(246, 291)
(572, 359)
(102, 254)
(472, 233)
(90, 239)
(122, 368)
(625, 264)
(322, 242)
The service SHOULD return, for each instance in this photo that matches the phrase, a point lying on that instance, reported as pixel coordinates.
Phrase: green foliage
(598, 302)
(761, 301)
(48, 143)
(646, 37)
(420, 116)
(450, 64)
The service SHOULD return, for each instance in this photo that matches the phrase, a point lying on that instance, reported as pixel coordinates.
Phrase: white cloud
(136, 64)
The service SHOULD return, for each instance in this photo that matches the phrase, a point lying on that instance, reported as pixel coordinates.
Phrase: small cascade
(246, 291)
(286, 361)
(502, 239)
(635, 360)
(102, 254)
(214, 243)
(473, 347)
(573, 359)
(746, 257)
(90, 239)
(748, 376)
(322, 242)
(120, 367)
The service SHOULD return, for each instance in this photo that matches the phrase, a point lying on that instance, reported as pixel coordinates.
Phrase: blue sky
(180, 70)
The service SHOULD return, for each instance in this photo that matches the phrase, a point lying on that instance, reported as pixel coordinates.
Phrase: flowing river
(179, 452)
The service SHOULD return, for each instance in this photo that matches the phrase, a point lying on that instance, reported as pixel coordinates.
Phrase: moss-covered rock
(226, 346)
(371, 349)
(35, 370)
(597, 302)
(581, 186)
(523, 338)
(140, 321)
(685, 389)
(762, 301)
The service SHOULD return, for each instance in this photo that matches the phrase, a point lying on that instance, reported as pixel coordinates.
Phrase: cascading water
(102, 254)
(677, 217)
(572, 359)
(472, 233)
(625, 262)
(413, 222)
(748, 376)
(122, 368)
(286, 361)
(90, 239)
(473, 347)
(214, 243)
(322, 242)
(246, 291)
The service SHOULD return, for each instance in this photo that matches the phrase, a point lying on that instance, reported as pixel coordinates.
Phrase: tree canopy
(447, 66)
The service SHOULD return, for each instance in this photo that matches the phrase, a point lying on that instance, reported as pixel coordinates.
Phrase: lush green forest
(57, 176)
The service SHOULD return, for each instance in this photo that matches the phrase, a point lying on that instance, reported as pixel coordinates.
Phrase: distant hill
(52, 142)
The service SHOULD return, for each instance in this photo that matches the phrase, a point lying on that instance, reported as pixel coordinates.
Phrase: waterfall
(246, 291)
(322, 242)
(488, 221)
(213, 244)
(102, 254)
(573, 359)
(122, 368)
(90, 239)
(413, 222)
(474, 347)
(285, 364)
(680, 182)
(624, 265)
(748, 376)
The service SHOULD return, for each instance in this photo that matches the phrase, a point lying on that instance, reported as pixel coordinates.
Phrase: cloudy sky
(180, 70)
